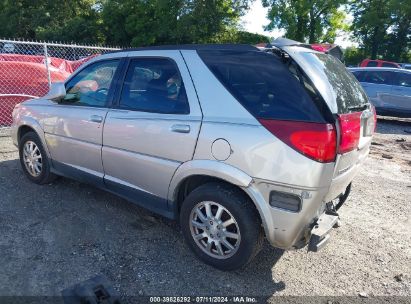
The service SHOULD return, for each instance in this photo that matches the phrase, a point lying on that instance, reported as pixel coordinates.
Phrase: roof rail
(197, 47)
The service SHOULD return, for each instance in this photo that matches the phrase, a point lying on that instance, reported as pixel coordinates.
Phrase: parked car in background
(406, 66)
(389, 89)
(20, 81)
(26, 76)
(234, 142)
(379, 63)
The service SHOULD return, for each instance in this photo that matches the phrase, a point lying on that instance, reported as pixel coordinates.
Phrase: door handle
(96, 118)
(180, 128)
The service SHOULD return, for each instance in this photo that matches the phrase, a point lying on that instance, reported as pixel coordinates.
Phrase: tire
(245, 235)
(41, 174)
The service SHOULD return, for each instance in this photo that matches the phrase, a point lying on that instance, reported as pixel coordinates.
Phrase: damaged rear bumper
(320, 234)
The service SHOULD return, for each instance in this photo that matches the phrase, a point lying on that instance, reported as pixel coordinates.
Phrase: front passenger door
(73, 128)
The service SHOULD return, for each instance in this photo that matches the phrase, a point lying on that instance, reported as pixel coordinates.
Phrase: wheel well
(24, 130)
(192, 182)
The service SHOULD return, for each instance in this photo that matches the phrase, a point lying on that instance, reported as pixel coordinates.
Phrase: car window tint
(379, 77)
(91, 85)
(154, 85)
(404, 79)
(264, 85)
(372, 63)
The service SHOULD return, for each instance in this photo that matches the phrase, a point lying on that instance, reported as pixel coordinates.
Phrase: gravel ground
(57, 235)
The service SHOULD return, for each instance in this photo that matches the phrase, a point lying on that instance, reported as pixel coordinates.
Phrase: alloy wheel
(32, 158)
(215, 230)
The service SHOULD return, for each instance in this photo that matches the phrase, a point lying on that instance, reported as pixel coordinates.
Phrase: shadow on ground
(57, 235)
(390, 125)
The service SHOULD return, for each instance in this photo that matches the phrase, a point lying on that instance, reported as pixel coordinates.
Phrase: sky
(256, 18)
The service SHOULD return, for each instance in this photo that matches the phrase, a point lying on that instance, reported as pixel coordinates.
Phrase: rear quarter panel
(254, 150)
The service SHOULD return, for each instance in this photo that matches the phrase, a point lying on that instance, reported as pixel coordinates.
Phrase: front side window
(91, 85)
(154, 85)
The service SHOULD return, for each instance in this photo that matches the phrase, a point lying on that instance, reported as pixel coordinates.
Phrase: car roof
(197, 47)
(378, 69)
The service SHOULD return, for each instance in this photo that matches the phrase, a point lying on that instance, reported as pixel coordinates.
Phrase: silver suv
(236, 143)
(388, 89)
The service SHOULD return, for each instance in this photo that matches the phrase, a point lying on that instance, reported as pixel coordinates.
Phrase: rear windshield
(263, 84)
(348, 91)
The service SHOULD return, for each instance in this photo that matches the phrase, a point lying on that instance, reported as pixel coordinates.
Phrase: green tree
(399, 34)
(383, 28)
(139, 22)
(75, 20)
(372, 19)
(306, 20)
(353, 56)
(238, 36)
(250, 38)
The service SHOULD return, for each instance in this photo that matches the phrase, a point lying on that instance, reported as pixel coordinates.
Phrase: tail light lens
(350, 127)
(315, 140)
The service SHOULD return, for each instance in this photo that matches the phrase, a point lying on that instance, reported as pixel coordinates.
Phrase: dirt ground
(57, 235)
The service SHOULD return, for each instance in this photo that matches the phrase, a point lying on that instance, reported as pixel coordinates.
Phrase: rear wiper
(359, 108)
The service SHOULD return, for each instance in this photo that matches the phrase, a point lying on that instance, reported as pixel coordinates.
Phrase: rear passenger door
(378, 86)
(152, 129)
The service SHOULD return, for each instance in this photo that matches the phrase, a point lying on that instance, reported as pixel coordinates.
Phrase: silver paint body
(393, 98)
(143, 151)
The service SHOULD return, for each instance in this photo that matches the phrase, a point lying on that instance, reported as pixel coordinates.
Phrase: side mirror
(57, 92)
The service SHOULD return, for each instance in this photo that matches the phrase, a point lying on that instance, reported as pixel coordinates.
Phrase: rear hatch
(354, 115)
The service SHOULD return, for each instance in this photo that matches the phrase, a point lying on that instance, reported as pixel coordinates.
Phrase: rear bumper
(292, 230)
(283, 228)
(347, 167)
(320, 234)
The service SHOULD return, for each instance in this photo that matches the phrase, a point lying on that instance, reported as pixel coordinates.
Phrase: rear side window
(372, 63)
(379, 77)
(154, 85)
(262, 84)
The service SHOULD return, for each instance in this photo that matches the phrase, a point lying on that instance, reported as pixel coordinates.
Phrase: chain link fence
(28, 68)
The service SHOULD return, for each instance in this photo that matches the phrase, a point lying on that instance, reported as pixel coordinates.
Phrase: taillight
(350, 128)
(315, 140)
